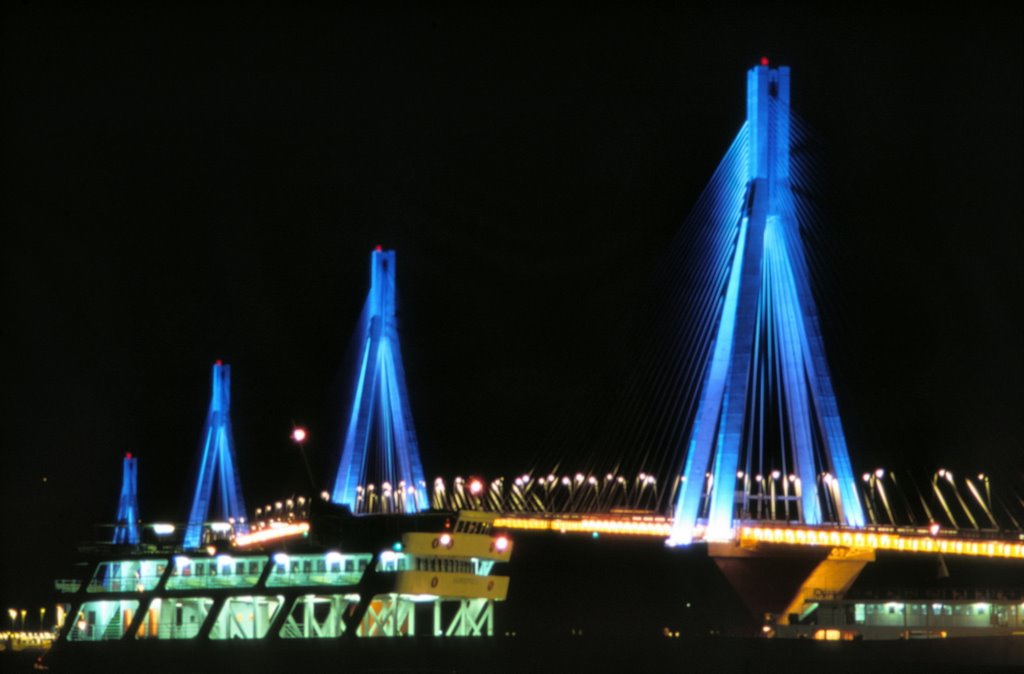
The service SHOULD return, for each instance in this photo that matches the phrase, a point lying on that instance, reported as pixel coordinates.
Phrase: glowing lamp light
(476, 487)
(445, 540)
(866, 477)
(880, 473)
(281, 559)
(501, 543)
(933, 528)
(299, 435)
(163, 529)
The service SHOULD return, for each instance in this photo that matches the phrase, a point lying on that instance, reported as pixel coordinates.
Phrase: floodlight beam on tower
(218, 465)
(766, 334)
(126, 530)
(380, 404)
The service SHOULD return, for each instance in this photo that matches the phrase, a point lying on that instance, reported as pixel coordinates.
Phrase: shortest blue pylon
(217, 462)
(127, 528)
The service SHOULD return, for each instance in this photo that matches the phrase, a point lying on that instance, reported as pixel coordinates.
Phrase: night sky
(182, 186)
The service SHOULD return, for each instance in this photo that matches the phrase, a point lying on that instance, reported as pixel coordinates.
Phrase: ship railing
(67, 585)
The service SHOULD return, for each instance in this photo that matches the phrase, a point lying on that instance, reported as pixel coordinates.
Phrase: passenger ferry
(880, 619)
(335, 578)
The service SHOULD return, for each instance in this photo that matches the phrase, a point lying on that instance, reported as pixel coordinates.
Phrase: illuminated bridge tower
(217, 463)
(127, 528)
(380, 446)
(767, 347)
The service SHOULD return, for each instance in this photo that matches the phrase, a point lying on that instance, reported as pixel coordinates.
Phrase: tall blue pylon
(767, 346)
(127, 528)
(217, 462)
(380, 456)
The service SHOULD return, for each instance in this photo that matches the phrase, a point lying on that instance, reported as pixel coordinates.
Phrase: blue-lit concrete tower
(379, 446)
(767, 347)
(127, 528)
(217, 463)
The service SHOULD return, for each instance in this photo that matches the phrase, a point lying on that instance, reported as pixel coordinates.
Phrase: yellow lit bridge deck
(905, 540)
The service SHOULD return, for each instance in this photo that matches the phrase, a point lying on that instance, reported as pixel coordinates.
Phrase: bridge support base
(783, 581)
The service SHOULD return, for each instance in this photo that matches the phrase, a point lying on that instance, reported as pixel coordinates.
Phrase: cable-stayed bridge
(764, 440)
(762, 464)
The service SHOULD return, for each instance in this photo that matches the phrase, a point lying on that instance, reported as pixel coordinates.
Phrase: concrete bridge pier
(786, 580)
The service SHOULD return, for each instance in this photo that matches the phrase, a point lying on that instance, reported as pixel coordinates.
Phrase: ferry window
(200, 569)
(349, 566)
(307, 566)
(362, 564)
(295, 567)
(321, 565)
(159, 569)
(254, 567)
(240, 568)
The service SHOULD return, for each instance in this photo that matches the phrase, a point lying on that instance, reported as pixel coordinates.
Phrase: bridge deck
(906, 540)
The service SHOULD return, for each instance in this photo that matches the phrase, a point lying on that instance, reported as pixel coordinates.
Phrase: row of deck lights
(15, 613)
(773, 496)
(389, 499)
(548, 493)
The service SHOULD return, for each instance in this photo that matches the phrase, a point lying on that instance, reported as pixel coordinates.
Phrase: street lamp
(299, 437)
(775, 476)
